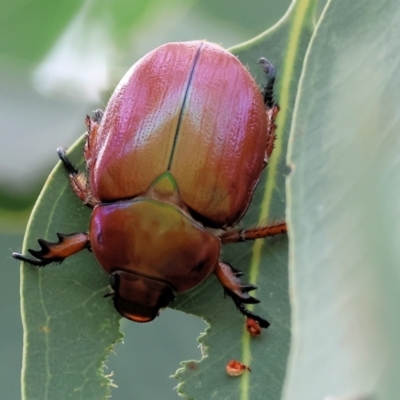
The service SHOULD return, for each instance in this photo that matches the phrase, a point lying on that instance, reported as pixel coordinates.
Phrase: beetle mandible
(172, 165)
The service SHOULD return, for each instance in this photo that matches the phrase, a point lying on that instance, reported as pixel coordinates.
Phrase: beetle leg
(241, 235)
(234, 287)
(77, 179)
(66, 246)
(268, 91)
(271, 107)
(92, 125)
(97, 116)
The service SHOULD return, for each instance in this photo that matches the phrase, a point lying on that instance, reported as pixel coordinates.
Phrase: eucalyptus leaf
(69, 326)
(344, 218)
(264, 261)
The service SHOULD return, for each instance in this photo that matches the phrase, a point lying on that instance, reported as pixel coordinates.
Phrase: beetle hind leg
(268, 91)
(77, 179)
(66, 246)
(229, 279)
(271, 107)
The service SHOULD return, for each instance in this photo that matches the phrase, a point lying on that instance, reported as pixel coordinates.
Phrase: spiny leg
(92, 125)
(78, 180)
(271, 107)
(66, 246)
(268, 91)
(229, 279)
(241, 235)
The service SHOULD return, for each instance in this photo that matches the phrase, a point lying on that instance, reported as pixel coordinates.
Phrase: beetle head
(152, 250)
(139, 298)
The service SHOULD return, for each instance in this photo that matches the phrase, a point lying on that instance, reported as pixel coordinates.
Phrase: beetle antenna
(268, 91)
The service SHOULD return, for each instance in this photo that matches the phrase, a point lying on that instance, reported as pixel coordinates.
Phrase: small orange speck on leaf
(236, 368)
(253, 327)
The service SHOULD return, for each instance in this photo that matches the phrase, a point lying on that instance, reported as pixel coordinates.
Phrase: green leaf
(70, 328)
(264, 261)
(343, 196)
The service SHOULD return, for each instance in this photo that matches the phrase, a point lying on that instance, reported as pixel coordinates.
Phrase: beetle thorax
(152, 239)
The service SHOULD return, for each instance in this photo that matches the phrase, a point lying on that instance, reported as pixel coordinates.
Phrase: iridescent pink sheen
(191, 108)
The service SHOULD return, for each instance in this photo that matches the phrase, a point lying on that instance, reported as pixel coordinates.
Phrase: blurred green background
(58, 62)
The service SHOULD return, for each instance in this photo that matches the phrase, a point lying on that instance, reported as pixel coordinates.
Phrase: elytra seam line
(196, 57)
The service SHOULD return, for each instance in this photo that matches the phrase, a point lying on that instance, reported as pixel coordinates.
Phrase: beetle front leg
(66, 246)
(77, 179)
(234, 287)
(241, 235)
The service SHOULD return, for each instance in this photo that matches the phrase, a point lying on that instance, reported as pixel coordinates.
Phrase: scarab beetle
(172, 164)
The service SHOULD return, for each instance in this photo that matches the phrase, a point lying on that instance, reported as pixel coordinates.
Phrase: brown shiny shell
(154, 240)
(192, 109)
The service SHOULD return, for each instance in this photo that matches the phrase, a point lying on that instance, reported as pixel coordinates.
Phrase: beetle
(172, 164)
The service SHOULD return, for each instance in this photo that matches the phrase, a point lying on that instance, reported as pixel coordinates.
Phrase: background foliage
(343, 207)
(342, 187)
